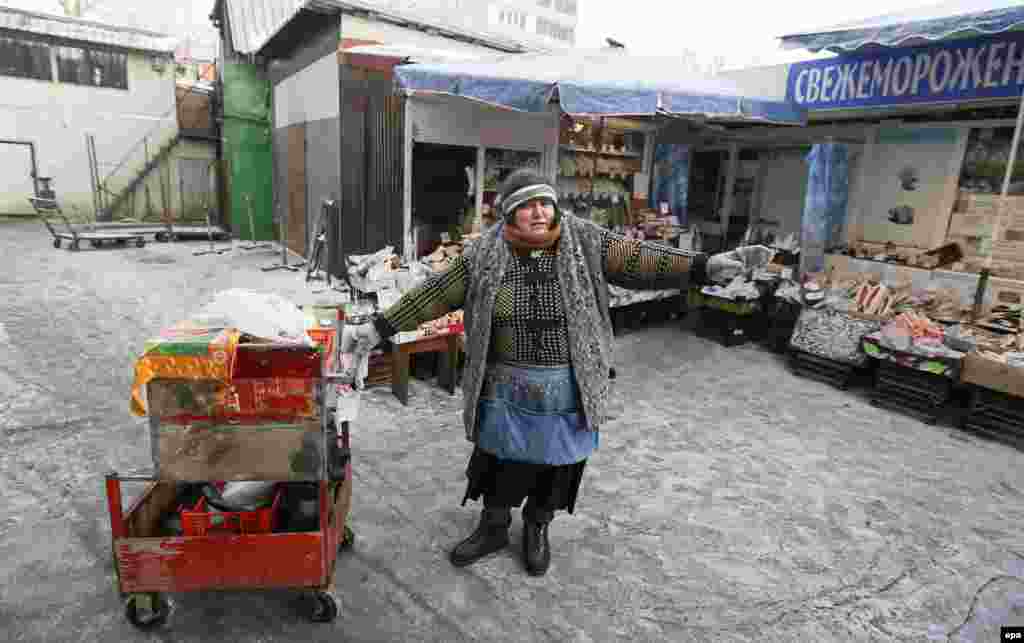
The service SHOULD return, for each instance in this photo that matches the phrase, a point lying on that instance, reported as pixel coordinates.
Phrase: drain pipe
(32, 152)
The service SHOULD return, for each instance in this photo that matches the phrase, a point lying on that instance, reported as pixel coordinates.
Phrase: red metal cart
(149, 564)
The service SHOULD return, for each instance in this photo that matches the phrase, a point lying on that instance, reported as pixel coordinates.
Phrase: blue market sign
(970, 69)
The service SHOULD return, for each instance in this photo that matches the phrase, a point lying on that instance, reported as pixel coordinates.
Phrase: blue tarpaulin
(596, 83)
(828, 191)
(671, 178)
(946, 21)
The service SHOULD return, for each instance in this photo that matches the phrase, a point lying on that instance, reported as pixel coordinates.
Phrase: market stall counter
(734, 313)
(994, 373)
(916, 371)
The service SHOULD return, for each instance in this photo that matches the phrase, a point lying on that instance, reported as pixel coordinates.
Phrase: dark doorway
(441, 195)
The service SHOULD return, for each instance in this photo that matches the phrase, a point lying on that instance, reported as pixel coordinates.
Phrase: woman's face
(535, 216)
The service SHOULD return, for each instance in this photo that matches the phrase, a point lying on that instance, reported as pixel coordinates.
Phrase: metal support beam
(865, 183)
(409, 250)
(728, 198)
(1007, 177)
(796, 135)
(478, 180)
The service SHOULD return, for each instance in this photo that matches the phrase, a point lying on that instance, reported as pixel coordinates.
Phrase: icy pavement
(730, 500)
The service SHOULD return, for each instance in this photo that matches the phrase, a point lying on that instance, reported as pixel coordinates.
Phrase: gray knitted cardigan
(588, 258)
(582, 280)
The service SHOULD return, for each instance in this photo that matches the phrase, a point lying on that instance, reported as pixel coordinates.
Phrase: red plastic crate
(198, 521)
(264, 362)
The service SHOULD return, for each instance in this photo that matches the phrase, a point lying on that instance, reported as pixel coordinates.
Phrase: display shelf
(583, 150)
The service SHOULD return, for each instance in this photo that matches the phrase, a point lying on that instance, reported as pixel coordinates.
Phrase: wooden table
(448, 348)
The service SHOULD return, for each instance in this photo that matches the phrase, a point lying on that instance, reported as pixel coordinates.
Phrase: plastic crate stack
(911, 391)
(996, 415)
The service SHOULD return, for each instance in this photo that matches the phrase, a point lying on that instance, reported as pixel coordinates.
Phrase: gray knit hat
(522, 186)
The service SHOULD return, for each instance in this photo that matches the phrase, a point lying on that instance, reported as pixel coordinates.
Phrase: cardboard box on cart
(260, 423)
(249, 449)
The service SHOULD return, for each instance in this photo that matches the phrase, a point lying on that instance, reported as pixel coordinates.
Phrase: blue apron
(533, 414)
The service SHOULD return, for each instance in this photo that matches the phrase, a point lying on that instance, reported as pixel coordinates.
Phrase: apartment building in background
(546, 24)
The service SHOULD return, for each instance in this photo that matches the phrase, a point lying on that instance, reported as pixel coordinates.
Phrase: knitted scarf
(520, 241)
(584, 296)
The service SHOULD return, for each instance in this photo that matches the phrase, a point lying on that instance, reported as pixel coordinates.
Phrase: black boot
(536, 548)
(491, 536)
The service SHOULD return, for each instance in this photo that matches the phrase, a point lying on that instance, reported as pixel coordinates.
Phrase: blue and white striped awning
(597, 83)
(946, 21)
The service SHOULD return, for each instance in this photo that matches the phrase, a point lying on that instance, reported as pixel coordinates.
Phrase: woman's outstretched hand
(358, 341)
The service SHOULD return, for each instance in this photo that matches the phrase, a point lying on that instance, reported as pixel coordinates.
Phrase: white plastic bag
(263, 315)
(359, 265)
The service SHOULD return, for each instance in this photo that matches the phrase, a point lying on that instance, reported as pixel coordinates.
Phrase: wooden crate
(1004, 292)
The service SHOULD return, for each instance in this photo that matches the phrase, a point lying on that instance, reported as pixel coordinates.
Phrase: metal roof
(947, 20)
(596, 82)
(254, 23)
(85, 31)
(411, 53)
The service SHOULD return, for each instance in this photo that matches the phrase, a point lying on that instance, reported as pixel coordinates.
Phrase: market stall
(603, 176)
(457, 152)
(603, 109)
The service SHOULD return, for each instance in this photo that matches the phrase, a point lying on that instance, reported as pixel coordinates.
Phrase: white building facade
(545, 24)
(62, 79)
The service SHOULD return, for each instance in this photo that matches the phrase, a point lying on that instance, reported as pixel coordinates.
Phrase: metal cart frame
(148, 565)
(48, 209)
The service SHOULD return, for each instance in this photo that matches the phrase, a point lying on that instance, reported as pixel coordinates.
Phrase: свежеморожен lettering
(989, 65)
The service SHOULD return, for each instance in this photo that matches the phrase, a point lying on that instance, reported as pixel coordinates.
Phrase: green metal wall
(247, 149)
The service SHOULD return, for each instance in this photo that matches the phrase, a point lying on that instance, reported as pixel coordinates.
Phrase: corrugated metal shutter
(372, 135)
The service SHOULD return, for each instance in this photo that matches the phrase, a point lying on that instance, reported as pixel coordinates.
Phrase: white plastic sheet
(263, 315)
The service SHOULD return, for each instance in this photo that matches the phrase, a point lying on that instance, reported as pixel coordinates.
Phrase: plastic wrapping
(263, 315)
(204, 346)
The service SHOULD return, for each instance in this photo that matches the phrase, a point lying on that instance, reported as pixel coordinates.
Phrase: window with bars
(514, 18)
(95, 67)
(566, 6)
(548, 28)
(25, 59)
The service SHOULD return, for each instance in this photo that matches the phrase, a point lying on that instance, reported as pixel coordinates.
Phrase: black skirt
(505, 483)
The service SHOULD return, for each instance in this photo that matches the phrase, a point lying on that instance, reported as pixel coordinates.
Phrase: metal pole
(181, 194)
(979, 295)
(35, 168)
(1006, 181)
(92, 176)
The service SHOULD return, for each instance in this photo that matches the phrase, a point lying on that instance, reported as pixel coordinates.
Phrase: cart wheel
(325, 607)
(348, 540)
(74, 246)
(140, 243)
(147, 619)
(94, 243)
(56, 243)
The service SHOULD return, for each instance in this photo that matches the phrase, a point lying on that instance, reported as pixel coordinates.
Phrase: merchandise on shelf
(445, 253)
